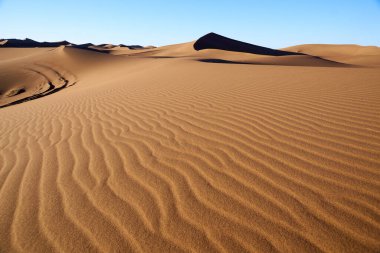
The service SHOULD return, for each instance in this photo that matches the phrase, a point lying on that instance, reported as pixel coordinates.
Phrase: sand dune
(104, 48)
(214, 48)
(163, 150)
(28, 43)
(351, 54)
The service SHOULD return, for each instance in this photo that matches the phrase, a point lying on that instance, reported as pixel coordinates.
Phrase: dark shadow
(331, 64)
(223, 61)
(216, 41)
(133, 47)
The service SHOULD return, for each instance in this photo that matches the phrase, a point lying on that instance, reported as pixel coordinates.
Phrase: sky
(271, 23)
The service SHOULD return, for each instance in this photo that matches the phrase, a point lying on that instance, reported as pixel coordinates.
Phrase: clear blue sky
(273, 23)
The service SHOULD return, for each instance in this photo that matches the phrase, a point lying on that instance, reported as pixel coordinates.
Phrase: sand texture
(172, 149)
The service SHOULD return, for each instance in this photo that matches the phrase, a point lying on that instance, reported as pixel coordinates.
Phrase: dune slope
(157, 151)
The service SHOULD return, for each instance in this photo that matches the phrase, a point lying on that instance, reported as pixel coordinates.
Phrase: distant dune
(214, 145)
(27, 43)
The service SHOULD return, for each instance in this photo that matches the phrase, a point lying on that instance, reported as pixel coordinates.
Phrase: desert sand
(209, 146)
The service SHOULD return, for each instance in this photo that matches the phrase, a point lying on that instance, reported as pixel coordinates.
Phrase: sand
(175, 150)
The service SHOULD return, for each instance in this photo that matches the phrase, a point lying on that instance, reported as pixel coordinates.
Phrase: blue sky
(273, 23)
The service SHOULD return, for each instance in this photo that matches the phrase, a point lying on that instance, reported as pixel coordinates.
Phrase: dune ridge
(156, 151)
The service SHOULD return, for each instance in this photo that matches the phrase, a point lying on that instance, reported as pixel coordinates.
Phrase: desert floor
(175, 150)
